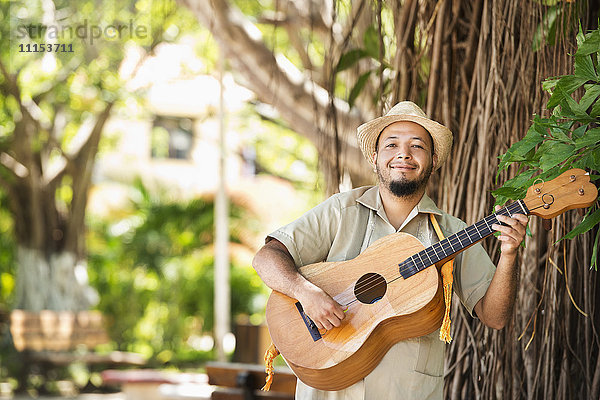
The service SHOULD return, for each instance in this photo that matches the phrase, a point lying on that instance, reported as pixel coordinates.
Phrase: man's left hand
(511, 234)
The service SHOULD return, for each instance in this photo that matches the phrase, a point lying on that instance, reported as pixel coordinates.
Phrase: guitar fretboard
(457, 242)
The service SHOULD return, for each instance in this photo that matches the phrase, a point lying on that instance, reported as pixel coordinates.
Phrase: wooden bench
(49, 339)
(243, 382)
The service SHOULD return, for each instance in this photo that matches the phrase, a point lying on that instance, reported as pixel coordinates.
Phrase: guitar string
(499, 212)
(366, 286)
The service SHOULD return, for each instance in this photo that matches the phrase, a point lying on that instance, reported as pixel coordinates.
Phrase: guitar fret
(460, 240)
(432, 257)
(486, 224)
(443, 249)
(457, 236)
(438, 244)
(519, 203)
(475, 230)
(436, 254)
(430, 263)
(414, 261)
(483, 229)
(450, 243)
(419, 254)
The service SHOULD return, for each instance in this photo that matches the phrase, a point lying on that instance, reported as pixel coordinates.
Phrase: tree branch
(301, 102)
(82, 167)
(17, 169)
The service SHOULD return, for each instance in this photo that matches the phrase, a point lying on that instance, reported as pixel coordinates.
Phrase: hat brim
(369, 132)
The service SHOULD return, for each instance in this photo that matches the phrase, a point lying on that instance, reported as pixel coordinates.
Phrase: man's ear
(434, 161)
(374, 158)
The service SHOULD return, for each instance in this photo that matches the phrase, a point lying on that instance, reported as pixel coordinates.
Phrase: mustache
(403, 164)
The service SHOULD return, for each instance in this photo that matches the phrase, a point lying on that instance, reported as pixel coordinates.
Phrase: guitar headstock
(571, 189)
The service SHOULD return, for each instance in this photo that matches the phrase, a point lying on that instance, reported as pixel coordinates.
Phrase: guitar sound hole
(370, 288)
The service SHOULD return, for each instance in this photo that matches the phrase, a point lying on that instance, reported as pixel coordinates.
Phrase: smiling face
(404, 158)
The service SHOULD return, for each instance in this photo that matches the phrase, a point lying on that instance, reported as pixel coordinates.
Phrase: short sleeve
(309, 238)
(473, 269)
(473, 274)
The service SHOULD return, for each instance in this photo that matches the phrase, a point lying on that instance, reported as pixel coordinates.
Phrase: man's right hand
(325, 312)
(276, 268)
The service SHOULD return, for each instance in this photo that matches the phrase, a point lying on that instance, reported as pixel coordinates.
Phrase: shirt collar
(371, 199)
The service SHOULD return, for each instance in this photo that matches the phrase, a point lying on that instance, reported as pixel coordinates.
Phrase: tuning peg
(581, 212)
(547, 224)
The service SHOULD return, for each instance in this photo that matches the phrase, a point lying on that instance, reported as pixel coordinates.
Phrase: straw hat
(405, 111)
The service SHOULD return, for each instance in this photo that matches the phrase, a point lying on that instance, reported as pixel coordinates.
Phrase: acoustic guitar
(392, 291)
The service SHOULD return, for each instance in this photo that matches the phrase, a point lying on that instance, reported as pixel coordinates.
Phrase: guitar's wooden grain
(409, 308)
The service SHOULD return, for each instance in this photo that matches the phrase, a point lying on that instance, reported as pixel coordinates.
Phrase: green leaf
(591, 137)
(580, 37)
(549, 84)
(590, 45)
(371, 41)
(591, 94)
(577, 111)
(521, 181)
(517, 152)
(560, 134)
(594, 263)
(584, 68)
(510, 192)
(546, 30)
(590, 220)
(556, 153)
(350, 58)
(579, 132)
(358, 87)
(588, 160)
(595, 113)
(564, 87)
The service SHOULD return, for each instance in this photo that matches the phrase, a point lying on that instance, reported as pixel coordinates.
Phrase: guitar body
(406, 308)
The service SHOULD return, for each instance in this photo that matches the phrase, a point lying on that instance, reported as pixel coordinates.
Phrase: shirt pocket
(430, 358)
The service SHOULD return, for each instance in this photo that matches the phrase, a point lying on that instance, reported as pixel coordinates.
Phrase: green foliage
(7, 255)
(154, 271)
(569, 138)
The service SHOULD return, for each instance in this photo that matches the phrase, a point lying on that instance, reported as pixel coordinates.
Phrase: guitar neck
(454, 244)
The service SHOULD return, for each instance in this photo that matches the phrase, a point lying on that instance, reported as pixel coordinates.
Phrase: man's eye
(417, 146)
(390, 145)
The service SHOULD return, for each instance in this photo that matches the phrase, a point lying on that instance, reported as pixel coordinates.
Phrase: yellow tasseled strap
(270, 355)
(447, 281)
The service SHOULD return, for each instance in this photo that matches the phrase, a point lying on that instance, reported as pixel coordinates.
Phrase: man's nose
(403, 154)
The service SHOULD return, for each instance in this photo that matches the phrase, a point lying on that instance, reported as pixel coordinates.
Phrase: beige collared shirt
(342, 227)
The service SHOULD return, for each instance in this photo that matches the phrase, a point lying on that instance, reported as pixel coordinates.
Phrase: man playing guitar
(404, 147)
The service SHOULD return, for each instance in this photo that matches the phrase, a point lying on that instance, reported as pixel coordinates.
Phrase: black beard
(406, 188)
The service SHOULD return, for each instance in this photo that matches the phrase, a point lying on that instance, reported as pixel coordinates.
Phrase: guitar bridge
(310, 325)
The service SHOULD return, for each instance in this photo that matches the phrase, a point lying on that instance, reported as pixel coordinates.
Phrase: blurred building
(169, 138)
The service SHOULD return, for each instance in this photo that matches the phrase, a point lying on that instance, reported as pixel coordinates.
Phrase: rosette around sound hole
(370, 288)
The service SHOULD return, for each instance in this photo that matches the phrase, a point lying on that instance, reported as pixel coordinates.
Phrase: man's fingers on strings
(522, 219)
(507, 233)
(516, 222)
(325, 325)
(339, 312)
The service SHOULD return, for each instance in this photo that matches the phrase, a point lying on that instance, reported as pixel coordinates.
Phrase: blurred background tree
(54, 108)
(160, 256)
